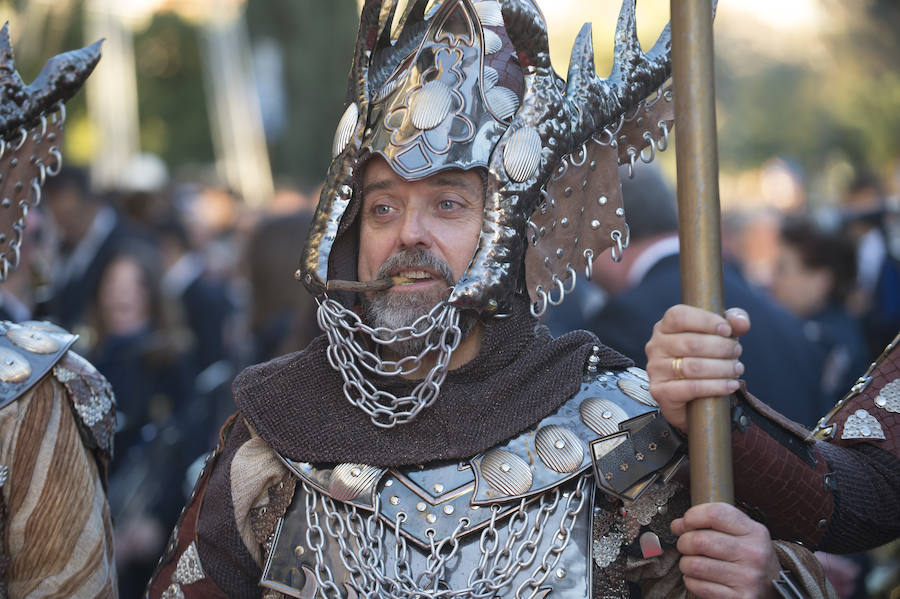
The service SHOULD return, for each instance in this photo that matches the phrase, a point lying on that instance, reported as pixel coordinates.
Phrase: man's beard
(399, 310)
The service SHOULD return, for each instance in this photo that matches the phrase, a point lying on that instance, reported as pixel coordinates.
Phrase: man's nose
(414, 231)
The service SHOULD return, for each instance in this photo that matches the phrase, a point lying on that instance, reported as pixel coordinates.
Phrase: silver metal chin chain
(440, 330)
(362, 551)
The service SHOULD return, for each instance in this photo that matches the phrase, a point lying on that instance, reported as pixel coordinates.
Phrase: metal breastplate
(514, 521)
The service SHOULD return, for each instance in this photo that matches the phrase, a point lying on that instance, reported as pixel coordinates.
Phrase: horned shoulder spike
(522, 160)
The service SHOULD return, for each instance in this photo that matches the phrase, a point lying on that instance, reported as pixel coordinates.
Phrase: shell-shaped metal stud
(431, 105)
(33, 340)
(559, 448)
(522, 154)
(506, 472)
(14, 368)
(602, 415)
(349, 481)
(640, 373)
(862, 425)
(889, 397)
(637, 391)
(490, 77)
(492, 42)
(345, 129)
(489, 13)
(502, 101)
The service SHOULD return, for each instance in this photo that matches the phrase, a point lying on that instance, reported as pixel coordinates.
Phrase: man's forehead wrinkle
(378, 185)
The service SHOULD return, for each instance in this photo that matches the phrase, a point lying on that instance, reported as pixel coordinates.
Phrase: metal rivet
(595, 224)
(593, 165)
(438, 488)
(421, 506)
(560, 573)
(395, 500)
(299, 550)
(431, 518)
(355, 472)
(744, 421)
(620, 212)
(602, 200)
(448, 509)
(560, 444)
(559, 252)
(6, 203)
(823, 523)
(389, 483)
(606, 415)
(505, 467)
(568, 191)
(564, 222)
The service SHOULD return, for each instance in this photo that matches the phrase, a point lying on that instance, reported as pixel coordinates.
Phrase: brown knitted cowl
(520, 375)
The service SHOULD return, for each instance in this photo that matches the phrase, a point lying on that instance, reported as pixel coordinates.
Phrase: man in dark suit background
(89, 233)
(782, 367)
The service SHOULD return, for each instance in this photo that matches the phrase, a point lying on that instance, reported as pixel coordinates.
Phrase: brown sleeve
(187, 567)
(837, 489)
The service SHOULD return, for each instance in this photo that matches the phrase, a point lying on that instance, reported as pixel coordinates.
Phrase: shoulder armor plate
(27, 353)
(92, 400)
(870, 412)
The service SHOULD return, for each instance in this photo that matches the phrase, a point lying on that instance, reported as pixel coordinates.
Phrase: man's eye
(382, 210)
(447, 205)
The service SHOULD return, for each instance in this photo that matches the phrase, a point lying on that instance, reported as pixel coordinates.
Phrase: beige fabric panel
(59, 531)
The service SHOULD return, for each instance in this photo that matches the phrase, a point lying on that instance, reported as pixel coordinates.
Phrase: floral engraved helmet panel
(431, 114)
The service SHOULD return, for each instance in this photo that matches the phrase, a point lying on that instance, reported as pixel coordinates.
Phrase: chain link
(361, 540)
(440, 330)
(10, 260)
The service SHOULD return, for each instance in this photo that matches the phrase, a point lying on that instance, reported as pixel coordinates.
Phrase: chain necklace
(346, 353)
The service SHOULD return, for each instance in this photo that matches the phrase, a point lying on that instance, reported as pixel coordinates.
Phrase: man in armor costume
(57, 414)
(436, 441)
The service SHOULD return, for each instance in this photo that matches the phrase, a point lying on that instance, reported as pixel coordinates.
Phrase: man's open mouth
(415, 276)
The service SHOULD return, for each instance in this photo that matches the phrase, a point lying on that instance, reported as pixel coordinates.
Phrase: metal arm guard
(836, 488)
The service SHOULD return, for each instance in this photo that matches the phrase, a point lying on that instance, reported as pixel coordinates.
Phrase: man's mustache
(416, 259)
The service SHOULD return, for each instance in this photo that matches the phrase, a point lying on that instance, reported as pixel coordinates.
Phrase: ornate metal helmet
(470, 84)
(31, 121)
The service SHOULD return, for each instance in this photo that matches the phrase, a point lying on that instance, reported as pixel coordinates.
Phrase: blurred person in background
(89, 232)
(282, 317)
(814, 275)
(205, 301)
(142, 350)
(877, 300)
(648, 280)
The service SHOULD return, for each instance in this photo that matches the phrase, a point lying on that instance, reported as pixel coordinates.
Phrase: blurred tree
(838, 99)
(317, 40)
(173, 118)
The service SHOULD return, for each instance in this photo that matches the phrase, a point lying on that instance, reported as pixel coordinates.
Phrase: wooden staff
(699, 230)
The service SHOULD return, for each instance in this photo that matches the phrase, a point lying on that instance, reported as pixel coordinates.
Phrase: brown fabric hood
(521, 374)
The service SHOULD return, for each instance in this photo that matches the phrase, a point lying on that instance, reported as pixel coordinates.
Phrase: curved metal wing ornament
(552, 200)
(31, 120)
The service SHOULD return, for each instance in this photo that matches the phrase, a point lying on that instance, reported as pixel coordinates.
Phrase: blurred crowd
(174, 286)
(822, 288)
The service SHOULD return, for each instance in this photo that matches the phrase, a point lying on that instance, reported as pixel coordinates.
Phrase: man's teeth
(416, 274)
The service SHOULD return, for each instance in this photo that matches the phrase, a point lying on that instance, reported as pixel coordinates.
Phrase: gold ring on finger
(677, 368)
